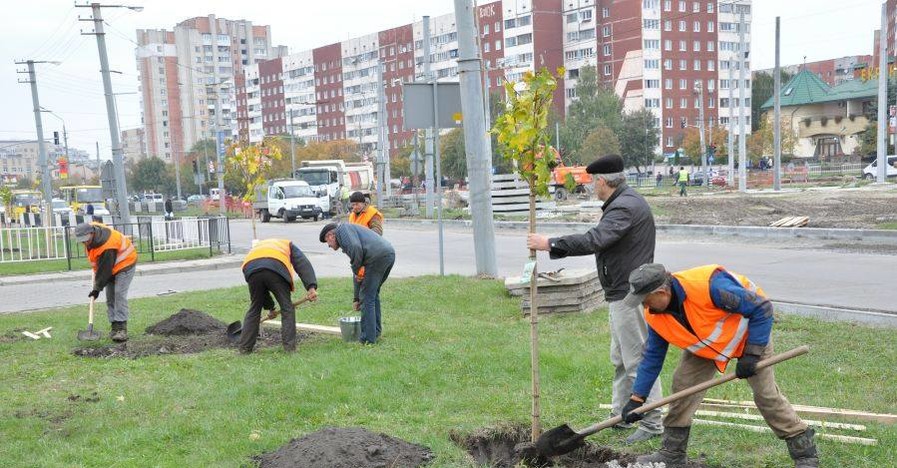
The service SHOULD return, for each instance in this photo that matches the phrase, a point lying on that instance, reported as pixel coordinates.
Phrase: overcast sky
(49, 30)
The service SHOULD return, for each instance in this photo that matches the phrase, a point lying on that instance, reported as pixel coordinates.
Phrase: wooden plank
(817, 411)
(31, 335)
(835, 437)
(309, 327)
(757, 417)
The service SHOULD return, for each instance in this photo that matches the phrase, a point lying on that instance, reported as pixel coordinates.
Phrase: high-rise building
(662, 55)
(133, 144)
(832, 71)
(183, 72)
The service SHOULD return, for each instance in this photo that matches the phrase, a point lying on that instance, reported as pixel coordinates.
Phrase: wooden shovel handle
(300, 301)
(695, 389)
(90, 312)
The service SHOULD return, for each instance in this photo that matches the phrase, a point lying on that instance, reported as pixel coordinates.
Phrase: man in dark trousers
(373, 257)
(114, 261)
(622, 240)
(269, 268)
(715, 316)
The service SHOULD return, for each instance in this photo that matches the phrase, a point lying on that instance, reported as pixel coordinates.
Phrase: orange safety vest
(278, 249)
(127, 254)
(365, 217)
(718, 335)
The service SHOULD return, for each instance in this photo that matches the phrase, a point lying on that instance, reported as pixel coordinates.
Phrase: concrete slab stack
(568, 291)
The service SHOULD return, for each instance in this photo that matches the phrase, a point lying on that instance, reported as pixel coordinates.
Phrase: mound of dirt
(187, 322)
(503, 446)
(352, 447)
(13, 335)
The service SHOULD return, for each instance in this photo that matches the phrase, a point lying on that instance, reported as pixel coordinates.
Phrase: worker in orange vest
(715, 316)
(113, 259)
(269, 268)
(362, 214)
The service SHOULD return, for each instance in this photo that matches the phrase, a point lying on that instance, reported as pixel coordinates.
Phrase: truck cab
(291, 199)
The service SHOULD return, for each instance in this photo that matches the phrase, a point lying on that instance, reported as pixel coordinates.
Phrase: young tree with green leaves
(253, 165)
(524, 139)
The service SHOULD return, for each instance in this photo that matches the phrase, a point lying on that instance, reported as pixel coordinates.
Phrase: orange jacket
(127, 254)
(364, 218)
(718, 335)
(277, 249)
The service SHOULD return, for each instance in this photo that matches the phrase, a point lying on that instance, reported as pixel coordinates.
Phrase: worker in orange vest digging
(362, 214)
(269, 268)
(114, 260)
(715, 316)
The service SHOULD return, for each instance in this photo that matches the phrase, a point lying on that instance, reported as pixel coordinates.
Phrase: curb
(755, 232)
(229, 261)
(838, 314)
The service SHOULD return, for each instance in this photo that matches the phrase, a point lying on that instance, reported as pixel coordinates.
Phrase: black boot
(119, 332)
(672, 449)
(802, 449)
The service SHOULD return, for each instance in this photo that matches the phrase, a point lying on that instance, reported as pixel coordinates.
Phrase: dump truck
(327, 176)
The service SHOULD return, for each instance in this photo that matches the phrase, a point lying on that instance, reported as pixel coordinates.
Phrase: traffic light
(56, 138)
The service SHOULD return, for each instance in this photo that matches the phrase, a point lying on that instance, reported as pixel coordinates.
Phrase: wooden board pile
(510, 195)
(791, 221)
(560, 292)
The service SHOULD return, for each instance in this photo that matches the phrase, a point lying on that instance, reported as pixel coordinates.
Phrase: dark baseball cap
(329, 227)
(609, 164)
(83, 231)
(643, 281)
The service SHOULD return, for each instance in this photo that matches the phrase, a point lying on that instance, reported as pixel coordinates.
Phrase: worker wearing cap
(623, 239)
(113, 259)
(269, 268)
(375, 256)
(362, 214)
(715, 316)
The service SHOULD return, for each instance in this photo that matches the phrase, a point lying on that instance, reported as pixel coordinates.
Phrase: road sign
(417, 102)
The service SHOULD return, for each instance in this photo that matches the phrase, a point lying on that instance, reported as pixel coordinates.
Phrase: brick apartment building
(832, 71)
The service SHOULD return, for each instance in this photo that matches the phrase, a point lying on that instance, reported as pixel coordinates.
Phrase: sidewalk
(143, 269)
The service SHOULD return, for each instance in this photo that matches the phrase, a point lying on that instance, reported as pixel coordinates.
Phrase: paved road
(800, 275)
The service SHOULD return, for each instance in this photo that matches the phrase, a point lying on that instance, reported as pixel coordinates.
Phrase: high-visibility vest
(127, 254)
(277, 249)
(364, 218)
(718, 335)
(683, 176)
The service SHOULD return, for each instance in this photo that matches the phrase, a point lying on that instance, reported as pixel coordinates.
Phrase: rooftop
(807, 88)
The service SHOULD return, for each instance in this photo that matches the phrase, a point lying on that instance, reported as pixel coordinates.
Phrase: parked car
(870, 172)
(196, 198)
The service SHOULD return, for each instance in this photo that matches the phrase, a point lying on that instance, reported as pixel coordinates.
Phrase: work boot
(640, 435)
(802, 449)
(119, 332)
(672, 448)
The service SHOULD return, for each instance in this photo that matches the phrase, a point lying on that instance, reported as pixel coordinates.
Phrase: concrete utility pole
(479, 161)
(742, 130)
(882, 147)
(293, 146)
(700, 90)
(777, 115)
(428, 133)
(121, 189)
(43, 162)
(219, 169)
(730, 148)
(383, 184)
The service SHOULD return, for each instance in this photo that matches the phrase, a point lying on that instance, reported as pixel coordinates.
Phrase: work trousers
(682, 189)
(628, 334)
(262, 284)
(376, 271)
(117, 295)
(775, 408)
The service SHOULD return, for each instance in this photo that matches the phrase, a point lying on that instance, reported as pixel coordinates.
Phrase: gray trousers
(117, 295)
(628, 333)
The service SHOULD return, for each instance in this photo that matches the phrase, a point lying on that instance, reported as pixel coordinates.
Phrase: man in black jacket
(622, 241)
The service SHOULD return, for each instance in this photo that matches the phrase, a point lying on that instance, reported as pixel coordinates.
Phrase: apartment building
(184, 71)
(834, 71)
(133, 144)
(20, 158)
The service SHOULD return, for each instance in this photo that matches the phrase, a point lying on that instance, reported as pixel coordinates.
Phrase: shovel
(564, 439)
(89, 334)
(236, 328)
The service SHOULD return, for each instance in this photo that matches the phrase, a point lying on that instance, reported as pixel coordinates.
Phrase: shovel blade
(88, 335)
(234, 330)
(558, 441)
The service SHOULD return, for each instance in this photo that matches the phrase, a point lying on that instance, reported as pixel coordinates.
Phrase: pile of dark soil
(186, 332)
(11, 336)
(499, 447)
(353, 447)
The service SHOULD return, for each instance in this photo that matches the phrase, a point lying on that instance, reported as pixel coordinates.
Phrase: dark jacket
(622, 241)
(363, 246)
(300, 264)
(106, 260)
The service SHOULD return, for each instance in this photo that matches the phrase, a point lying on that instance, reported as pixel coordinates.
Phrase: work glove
(747, 366)
(631, 405)
(94, 294)
(356, 305)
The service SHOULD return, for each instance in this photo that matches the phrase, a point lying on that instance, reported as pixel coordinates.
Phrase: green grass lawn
(53, 266)
(891, 225)
(454, 356)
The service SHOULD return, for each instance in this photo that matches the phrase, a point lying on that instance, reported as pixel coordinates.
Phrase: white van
(288, 200)
(870, 172)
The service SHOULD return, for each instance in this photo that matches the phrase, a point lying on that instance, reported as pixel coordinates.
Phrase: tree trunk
(534, 323)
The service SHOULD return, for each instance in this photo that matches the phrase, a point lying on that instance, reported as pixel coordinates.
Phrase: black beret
(610, 164)
(325, 230)
(357, 197)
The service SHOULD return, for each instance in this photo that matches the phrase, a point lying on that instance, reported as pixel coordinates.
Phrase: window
(711, 65)
(668, 64)
(606, 49)
(696, 26)
(668, 103)
(668, 83)
(570, 92)
(486, 29)
(709, 7)
(711, 103)
(682, 6)
(683, 46)
(498, 45)
(608, 70)
(710, 46)
(585, 16)
(683, 65)
(710, 26)
(572, 17)
(497, 26)
(667, 45)
(695, 7)
(652, 103)
(724, 84)
(650, 84)
(652, 44)
(527, 20)
(696, 46)
(711, 85)
(605, 12)
(510, 23)
(650, 4)
(697, 65)
(573, 74)
(651, 24)
(524, 39)
(667, 5)
(669, 142)
(668, 122)
(510, 42)
(652, 64)
(682, 26)
(485, 47)
(605, 31)
(683, 83)
(667, 25)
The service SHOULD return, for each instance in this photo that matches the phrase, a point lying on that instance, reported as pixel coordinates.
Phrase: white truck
(327, 176)
(289, 199)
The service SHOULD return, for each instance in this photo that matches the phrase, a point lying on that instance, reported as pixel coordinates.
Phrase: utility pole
(383, 184)
(428, 133)
(43, 162)
(882, 147)
(292, 146)
(219, 167)
(700, 90)
(121, 190)
(730, 148)
(479, 161)
(777, 115)
(99, 165)
(742, 141)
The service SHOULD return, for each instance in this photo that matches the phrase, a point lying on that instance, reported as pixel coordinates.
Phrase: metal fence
(823, 170)
(150, 235)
